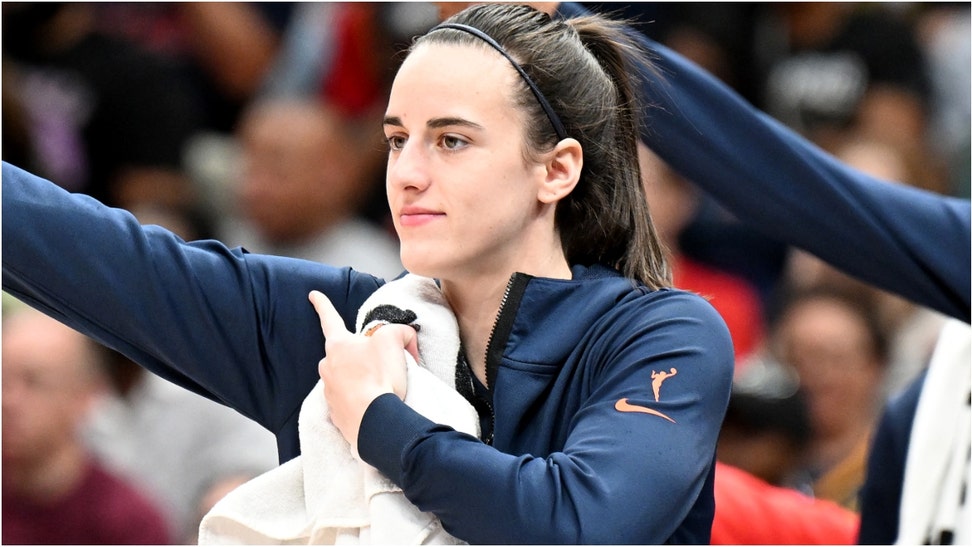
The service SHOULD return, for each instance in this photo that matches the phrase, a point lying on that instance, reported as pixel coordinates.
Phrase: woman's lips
(416, 216)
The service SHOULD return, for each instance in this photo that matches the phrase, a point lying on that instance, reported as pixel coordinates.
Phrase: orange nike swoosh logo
(624, 406)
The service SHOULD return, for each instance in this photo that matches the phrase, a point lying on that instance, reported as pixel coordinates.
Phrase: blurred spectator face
(301, 172)
(49, 382)
(829, 345)
(766, 429)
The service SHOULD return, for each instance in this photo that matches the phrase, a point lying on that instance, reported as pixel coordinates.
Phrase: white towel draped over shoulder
(327, 495)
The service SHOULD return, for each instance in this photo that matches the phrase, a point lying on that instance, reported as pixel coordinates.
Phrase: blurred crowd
(259, 124)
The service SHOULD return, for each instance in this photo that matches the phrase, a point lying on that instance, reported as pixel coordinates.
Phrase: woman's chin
(420, 265)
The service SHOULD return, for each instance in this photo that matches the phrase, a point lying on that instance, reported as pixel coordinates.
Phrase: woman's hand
(357, 368)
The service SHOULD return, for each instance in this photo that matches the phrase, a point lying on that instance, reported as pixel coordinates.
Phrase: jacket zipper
(515, 287)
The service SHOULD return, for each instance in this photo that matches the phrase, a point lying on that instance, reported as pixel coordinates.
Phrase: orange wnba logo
(657, 378)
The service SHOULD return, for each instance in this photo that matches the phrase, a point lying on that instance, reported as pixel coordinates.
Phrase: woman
(513, 179)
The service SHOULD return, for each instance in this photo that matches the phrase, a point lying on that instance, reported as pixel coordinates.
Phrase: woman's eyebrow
(392, 120)
(434, 123)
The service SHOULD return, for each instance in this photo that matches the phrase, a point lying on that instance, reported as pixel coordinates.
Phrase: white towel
(934, 498)
(327, 495)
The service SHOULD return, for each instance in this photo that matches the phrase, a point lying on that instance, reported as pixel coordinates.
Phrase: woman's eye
(396, 142)
(451, 142)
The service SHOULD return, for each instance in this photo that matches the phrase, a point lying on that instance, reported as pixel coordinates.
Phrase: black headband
(551, 115)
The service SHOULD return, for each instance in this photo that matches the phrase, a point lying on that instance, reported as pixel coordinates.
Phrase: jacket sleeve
(231, 326)
(901, 239)
(881, 491)
(624, 475)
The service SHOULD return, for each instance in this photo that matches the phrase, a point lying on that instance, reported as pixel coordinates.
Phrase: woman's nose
(408, 168)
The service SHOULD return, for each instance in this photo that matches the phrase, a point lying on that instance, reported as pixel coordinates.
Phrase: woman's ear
(563, 169)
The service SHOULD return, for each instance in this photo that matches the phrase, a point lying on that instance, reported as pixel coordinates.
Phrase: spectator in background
(101, 115)
(305, 176)
(761, 449)
(223, 49)
(825, 65)
(54, 490)
(911, 329)
(766, 431)
(835, 344)
(329, 82)
(750, 511)
(345, 55)
(673, 202)
(178, 447)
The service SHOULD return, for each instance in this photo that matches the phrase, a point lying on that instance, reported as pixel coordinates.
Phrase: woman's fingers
(367, 365)
(331, 321)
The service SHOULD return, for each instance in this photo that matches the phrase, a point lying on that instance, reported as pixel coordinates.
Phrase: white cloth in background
(327, 495)
(934, 499)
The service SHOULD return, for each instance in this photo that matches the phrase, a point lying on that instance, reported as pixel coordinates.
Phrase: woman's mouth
(418, 216)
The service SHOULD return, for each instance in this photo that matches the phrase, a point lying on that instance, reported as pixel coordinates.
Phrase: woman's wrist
(387, 428)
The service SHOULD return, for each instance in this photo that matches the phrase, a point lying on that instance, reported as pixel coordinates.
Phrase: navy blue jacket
(881, 492)
(583, 449)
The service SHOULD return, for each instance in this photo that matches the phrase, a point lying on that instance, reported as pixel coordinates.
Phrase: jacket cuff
(387, 429)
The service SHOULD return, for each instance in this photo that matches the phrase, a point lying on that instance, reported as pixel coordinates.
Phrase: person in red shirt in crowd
(785, 516)
(54, 491)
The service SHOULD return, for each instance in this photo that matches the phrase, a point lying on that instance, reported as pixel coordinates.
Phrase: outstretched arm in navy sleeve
(901, 239)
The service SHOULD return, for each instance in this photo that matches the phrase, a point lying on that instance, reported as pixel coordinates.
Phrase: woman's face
(462, 195)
